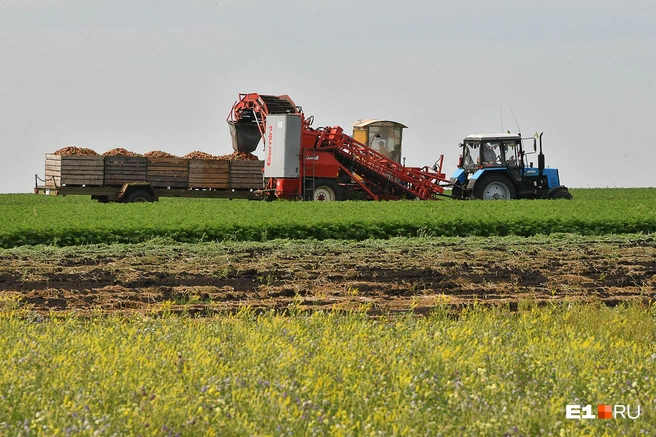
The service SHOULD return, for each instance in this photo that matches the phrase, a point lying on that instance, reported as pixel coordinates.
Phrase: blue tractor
(495, 167)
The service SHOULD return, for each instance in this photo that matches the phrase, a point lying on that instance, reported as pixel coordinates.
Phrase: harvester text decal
(268, 162)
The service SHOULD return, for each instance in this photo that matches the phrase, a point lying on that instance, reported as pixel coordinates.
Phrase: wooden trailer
(146, 179)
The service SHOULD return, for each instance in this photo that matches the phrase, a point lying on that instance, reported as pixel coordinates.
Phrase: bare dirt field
(386, 276)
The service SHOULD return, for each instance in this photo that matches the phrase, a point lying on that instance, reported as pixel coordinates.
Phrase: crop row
(486, 373)
(33, 220)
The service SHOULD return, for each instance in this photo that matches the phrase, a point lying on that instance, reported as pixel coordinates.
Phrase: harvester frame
(322, 164)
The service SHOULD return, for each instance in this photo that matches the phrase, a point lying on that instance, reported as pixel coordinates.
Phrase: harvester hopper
(247, 119)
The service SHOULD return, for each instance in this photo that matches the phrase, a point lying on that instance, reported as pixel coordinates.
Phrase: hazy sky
(163, 75)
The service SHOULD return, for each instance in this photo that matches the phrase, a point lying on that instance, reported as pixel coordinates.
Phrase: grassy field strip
(284, 247)
(33, 220)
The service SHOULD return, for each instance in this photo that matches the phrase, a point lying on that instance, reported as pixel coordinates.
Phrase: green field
(488, 372)
(32, 220)
(484, 370)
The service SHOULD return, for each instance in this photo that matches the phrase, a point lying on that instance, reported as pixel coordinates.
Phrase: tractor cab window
(511, 155)
(491, 154)
(471, 155)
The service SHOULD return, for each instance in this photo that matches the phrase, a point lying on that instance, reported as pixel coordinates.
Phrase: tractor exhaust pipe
(540, 158)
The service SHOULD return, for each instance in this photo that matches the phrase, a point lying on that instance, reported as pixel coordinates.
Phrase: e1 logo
(574, 412)
(603, 412)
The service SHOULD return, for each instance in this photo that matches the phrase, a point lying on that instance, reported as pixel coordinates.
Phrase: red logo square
(605, 411)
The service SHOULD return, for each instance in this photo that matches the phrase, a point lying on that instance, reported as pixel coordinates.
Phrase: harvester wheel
(139, 196)
(326, 190)
(494, 187)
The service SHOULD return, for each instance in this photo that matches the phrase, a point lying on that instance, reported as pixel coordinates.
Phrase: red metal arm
(423, 183)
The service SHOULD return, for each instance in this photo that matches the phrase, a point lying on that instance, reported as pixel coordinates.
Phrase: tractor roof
(499, 136)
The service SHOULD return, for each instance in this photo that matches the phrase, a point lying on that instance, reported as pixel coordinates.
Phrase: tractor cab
(495, 167)
(481, 151)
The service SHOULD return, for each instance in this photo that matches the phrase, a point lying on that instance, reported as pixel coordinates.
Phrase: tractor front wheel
(560, 193)
(494, 187)
(457, 191)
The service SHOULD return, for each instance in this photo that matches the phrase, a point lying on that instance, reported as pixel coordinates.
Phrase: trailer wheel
(494, 187)
(139, 196)
(326, 190)
(101, 199)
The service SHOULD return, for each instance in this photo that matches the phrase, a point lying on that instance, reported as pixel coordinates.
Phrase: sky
(163, 74)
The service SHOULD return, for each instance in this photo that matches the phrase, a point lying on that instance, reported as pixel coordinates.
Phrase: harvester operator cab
(384, 136)
(494, 167)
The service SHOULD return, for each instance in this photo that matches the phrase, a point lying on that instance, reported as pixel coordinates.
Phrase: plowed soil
(385, 277)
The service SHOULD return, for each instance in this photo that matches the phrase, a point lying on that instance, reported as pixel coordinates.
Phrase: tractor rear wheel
(494, 187)
(326, 190)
